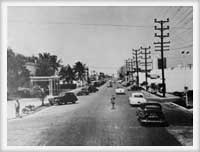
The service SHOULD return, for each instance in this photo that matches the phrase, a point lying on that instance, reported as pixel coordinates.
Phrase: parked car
(135, 88)
(120, 90)
(119, 81)
(126, 84)
(65, 98)
(137, 98)
(83, 91)
(92, 88)
(151, 114)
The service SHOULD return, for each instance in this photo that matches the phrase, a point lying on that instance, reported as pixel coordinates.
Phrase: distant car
(134, 88)
(65, 98)
(92, 88)
(137, 98)
(83, 91)
(119, 81)
(126, 84)
(120, 90)
(151, 114)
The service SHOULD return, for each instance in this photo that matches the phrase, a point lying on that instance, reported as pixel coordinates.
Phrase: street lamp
(184, 53)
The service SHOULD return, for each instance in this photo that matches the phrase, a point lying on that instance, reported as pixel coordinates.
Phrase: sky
(102, 37)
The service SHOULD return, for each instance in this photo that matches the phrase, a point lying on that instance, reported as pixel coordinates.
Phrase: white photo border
(196, 63)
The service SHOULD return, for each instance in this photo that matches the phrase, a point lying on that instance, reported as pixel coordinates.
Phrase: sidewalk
(23, 102)
(168, 98)
(180, 123)
(28, 101)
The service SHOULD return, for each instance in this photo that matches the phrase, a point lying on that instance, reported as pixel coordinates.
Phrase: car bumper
(120, 92)
(146, 121)
(135, 104)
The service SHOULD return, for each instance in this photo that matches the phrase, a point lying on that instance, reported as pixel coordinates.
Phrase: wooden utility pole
(162, 47)
(132, 69)
(145, 53)
(135, 54)
(129, 64)
(127, 70)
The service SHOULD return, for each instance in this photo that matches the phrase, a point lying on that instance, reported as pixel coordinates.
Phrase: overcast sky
(101, 37)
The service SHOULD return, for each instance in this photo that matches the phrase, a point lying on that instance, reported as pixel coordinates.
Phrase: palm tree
(67, 74)
(79, 69)
(47, 64)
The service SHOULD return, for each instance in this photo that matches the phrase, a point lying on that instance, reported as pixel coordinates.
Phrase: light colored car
(120, 90)
(137, 98)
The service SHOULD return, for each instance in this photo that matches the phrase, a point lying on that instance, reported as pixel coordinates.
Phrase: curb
(182, 108)
(171, 102)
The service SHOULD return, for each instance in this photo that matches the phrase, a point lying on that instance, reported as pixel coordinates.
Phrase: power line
(99, 24)
(180, 14)
(184, 17)
(104, 67)
(177, 11)
(84, 24)
(187, 46)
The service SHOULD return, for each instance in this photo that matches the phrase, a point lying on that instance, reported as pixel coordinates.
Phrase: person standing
(17, 108)
(112, 100)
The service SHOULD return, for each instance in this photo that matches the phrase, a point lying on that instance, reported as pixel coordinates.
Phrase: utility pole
(162, 47)
(127, 70)
(136, 53)
(145, 53)
(132, 69)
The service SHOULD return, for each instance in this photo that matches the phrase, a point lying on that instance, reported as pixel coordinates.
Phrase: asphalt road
(90, 122)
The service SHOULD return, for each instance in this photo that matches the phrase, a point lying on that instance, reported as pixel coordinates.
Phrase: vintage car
(151, 114)
(83, 91)
(63, 98)
(120, 90)
(134, 88)
(136, 99)
(92, 88)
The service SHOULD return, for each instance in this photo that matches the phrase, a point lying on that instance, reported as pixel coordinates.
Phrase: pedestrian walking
(17, 108)
(112, 100)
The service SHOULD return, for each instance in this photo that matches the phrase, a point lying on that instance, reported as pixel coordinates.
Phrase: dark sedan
(83, 91)
(151, 114)
(66, 98)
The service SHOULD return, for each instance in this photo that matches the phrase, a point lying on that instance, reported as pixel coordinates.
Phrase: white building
(176, 78)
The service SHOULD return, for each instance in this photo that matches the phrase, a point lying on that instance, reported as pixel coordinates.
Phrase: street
(90, 122)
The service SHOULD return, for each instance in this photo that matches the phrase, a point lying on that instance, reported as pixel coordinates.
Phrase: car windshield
(69, 93)
(62, 94)
(138, 96)
(153, 107)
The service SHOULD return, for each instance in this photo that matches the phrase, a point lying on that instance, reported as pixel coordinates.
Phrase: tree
(47, 65)
(17, 74)
(79, 69)
(67, 74)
